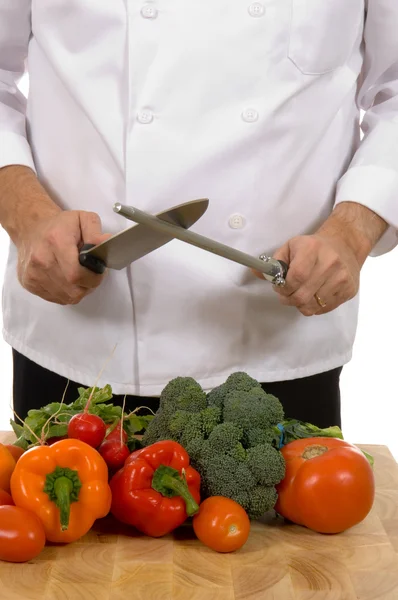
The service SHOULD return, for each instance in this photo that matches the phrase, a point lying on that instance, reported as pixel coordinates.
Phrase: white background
(369, 396)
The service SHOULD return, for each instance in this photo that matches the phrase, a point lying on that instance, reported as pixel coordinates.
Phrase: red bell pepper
(156, 490)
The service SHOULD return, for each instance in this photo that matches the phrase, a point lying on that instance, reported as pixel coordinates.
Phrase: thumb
(91, 228)
(283, 253)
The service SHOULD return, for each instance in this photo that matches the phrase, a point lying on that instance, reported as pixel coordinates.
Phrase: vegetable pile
(232, 435)
(216, 460)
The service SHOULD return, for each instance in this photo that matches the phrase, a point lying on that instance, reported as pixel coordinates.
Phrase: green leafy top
(55, 417)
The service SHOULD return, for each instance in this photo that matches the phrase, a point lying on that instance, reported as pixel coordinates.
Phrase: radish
(116, 434)
(114, 453)
(87, 428)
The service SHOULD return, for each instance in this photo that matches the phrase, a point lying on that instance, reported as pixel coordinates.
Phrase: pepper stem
(168, 482)
(62, 487)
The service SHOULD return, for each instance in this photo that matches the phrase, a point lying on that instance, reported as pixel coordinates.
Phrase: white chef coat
(254, 105)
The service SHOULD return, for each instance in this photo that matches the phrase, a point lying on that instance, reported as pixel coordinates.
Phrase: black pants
(313, 399)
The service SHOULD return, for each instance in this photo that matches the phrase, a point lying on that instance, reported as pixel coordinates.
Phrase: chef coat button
(149, 11)
(250, 115)
(145, 117)
(256, 9)
(236, 222)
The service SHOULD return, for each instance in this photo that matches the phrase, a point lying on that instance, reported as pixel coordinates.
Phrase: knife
(133, 243)
(273, 270)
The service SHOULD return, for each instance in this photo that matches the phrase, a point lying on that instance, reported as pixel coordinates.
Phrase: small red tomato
(221, 524)
(22, 535)
(6, 498)
(87, 428)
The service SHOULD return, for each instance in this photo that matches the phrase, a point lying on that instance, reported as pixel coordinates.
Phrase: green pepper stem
(168, 482)
(63, 487)
(181, 489)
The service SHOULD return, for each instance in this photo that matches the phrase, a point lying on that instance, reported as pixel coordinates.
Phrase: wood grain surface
(279, 561)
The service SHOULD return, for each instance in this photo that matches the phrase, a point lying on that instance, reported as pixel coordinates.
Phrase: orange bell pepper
(66, 485)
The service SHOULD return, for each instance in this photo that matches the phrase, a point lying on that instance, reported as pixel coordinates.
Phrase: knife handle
(91, 262)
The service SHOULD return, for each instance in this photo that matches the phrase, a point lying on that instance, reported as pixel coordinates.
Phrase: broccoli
(241, 382)
(211, 416)
(237, 382)
(266, 463)
(253, 409)
(182, 393)
(217, 396)
(228, 435)
(262, 499)
(257, 435)
(183, 413)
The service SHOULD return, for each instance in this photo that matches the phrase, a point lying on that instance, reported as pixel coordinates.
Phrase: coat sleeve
(372, 178)
(15, 32)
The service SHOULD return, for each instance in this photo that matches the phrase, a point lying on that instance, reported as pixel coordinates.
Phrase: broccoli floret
(257, 435)
(224, 438)
(217, 395)
(157, 430)
(193, 429)
(252, 410)
(243, 498)
(267, 464)
(241, 382)
(225, 476)
(211, 416)
(262, 499)
(182, 393)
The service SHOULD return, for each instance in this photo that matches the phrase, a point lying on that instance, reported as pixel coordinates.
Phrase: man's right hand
(47, 238)
(48, 257)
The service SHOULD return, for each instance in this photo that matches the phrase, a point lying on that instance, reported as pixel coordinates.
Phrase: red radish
(87, 428)
(116, 434)
(114, 453)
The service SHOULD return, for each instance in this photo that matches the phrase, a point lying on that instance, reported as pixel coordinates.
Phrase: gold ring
(321, 303)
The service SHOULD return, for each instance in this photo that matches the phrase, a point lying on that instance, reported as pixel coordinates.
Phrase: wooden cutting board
(279, 562)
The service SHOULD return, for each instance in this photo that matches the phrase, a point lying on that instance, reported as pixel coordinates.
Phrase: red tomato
(22, 535)
(221, 524)
(6, 498)
(7, 466)
(16, 451)
(329, 485)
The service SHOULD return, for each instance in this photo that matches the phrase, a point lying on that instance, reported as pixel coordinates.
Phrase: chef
(254, 105)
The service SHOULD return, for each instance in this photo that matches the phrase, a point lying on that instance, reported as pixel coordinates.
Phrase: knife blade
(133, 243)
(272, 269)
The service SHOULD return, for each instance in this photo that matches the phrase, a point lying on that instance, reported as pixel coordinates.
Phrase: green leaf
(21, 442)
(137, 423)
(18, 429)
(57, 431)
(51, 409)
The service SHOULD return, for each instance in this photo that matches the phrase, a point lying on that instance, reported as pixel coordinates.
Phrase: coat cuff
(15, 150)
(377, 189)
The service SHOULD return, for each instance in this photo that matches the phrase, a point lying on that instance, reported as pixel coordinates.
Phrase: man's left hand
(323, 273)
(324, 268)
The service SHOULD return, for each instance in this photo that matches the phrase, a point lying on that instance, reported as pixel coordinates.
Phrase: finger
(303, 264)
(337, 289)
(91, 228)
